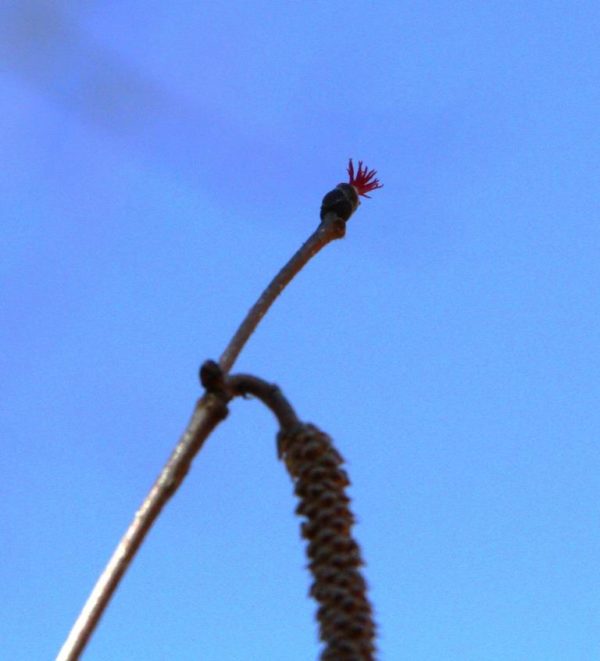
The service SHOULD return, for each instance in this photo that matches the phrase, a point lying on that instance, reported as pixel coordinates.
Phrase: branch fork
(345, 614)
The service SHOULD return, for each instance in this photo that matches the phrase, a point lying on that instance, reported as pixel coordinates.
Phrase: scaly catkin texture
(345, 614)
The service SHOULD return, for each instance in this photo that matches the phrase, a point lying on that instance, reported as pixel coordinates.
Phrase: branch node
(213, 379)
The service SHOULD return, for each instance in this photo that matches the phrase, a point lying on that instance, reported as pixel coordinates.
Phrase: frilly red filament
(363, 180)
(344, 199)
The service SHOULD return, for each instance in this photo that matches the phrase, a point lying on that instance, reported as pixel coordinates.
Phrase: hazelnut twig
(337, 207)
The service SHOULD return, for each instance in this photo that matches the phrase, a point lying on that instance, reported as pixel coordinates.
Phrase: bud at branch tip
(344, 199)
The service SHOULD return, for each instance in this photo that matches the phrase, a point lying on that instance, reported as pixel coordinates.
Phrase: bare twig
(337, 207)
(269, 394)
(209, 411)
(331, 227)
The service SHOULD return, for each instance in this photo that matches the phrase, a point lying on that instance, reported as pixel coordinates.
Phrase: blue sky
(160, 162)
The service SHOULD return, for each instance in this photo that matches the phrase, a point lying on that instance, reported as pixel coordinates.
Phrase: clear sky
(160, 161)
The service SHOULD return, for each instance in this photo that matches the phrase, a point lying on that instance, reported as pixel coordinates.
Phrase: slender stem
(330, 228)
(209, 411)
(269, 394)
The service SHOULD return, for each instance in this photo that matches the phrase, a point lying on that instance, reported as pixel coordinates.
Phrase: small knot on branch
(213, 379)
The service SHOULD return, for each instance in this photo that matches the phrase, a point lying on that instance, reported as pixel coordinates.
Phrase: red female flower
(363, 181)
(344, 199)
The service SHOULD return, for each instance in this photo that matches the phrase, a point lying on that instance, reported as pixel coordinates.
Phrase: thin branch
(269, 394)
(210, 410)
(337, 207)
(332, 227)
